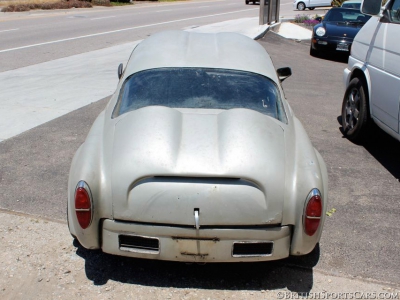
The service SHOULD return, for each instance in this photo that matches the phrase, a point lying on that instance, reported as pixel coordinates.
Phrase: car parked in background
(337, 30)
(372, 78)
(352, 4)
(198, 157)
(310, 4)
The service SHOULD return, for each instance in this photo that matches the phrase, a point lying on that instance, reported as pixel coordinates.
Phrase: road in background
(42, 36)
(37, 36)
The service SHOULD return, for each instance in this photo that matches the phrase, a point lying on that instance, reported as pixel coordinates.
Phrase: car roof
(205, 50)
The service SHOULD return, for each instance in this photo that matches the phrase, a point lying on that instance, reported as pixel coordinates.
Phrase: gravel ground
(40, 260)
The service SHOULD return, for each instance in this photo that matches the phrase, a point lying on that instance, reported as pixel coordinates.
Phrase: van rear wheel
(355, 118)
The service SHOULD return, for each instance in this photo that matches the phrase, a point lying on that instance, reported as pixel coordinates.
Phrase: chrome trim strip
(196, 219)
(313, 218)
(136, 250)
(82, 209)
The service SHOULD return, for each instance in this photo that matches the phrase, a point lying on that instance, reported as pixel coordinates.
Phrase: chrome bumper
(191, 245)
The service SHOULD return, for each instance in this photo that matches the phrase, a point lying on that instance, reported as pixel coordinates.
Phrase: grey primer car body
(197, 157)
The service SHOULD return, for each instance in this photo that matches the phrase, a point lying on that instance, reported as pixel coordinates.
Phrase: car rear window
(346, 15)
(200, 88)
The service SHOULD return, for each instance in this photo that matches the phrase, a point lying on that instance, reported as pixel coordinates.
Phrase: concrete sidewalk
(292, 31)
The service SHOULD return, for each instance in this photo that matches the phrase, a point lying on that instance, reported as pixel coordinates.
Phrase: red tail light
(312, 212)
(83, 204)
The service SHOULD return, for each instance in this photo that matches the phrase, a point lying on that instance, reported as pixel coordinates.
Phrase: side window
(394, 12)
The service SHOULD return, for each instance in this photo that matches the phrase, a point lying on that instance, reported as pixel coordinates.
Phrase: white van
(310, 4)
(372, 78)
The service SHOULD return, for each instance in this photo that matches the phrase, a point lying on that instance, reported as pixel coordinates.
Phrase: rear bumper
(191, 245)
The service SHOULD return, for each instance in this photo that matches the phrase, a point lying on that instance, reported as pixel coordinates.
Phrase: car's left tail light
(83, 204)
(312, 212)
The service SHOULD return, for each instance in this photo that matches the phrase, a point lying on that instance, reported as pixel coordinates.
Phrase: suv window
(200, 88)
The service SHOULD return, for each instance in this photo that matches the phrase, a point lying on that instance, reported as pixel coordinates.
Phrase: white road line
(120, 30)
(9, 30)
(102, 18)
(204, 6)
(164, 10)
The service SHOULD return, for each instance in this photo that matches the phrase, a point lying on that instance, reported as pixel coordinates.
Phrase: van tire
(355, 116)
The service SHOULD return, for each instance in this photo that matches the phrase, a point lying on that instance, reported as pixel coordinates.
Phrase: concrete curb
(292, 31)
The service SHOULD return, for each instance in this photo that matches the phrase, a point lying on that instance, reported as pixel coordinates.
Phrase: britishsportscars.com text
(344, 295)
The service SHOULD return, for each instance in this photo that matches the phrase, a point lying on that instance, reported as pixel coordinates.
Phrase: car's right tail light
(312, 212)
(83, 204)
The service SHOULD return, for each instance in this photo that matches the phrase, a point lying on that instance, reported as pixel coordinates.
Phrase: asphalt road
(33, 37)
(41, 36)
(360, 239)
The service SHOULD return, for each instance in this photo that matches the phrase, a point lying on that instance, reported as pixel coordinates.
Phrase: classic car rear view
(198, 157)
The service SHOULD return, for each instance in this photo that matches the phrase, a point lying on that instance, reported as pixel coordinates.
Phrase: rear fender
(87, 166)
(306, 171)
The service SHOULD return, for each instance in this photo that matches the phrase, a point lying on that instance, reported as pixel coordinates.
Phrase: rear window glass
(200, 88)
(346, 15)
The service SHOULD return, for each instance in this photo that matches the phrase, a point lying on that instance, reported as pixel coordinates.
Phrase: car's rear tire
(311, 8)
(247, 1)
(301, 6)
(355, 116)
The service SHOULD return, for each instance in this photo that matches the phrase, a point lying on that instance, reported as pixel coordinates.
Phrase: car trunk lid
(228, 165)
